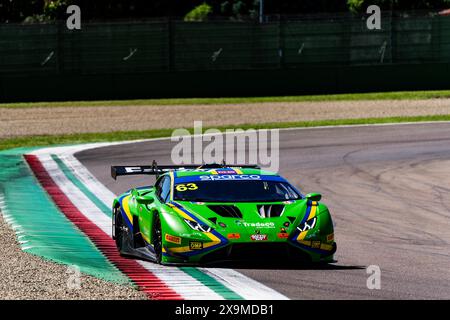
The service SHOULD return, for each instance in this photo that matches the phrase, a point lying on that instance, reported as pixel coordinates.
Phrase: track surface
(388, 189)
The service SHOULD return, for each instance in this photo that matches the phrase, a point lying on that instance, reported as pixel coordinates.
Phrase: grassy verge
(48, 140)
(413, 95)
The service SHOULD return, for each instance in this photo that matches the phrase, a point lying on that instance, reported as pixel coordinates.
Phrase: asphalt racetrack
(387, 187)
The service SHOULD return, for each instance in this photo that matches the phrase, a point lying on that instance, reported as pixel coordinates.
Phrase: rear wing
(156, 169)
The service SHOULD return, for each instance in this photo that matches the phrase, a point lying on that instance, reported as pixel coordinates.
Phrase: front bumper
(257, 251)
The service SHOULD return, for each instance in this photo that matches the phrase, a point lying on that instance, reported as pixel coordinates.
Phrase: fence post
(436, 39)
(346, 30)
(59, 50)
(281, 41)
(261, 11)
(170, 41)
(393, 33)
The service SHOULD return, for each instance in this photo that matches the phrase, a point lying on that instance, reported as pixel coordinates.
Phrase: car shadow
(282, 265)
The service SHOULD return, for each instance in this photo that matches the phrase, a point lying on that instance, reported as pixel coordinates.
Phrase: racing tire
(157, 238)
(118, 229)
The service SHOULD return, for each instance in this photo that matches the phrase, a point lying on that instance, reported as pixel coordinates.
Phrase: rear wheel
(157, 238)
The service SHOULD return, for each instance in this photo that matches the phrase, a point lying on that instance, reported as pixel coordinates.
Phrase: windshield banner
(229, 177)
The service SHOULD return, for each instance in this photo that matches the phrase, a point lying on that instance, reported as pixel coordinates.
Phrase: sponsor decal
(308, 225)
(136, 170)
(225, 171)
(231, 177)
(258, 237)
(259, 224)
(195, 245)
(173, 239)
(186, 187)
(315, 244)
(286, 224)
(283, 235)
(234, 236)
(223, 225)
(330, 237)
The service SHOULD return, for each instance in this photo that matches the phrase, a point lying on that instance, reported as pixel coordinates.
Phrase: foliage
(197, 10)
(54, 9)
(199, 13)
(398, 5)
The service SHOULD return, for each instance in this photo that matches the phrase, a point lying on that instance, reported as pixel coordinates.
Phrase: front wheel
(118, 226)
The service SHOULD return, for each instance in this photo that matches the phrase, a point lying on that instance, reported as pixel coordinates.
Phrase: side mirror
(313, 196)
(144, 199)
(141, 198)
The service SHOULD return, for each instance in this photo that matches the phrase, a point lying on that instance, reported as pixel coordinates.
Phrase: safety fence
(173, 58)
(173, 45)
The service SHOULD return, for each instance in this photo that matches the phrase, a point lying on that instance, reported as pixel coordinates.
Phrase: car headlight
(308, 225)
(198, 226)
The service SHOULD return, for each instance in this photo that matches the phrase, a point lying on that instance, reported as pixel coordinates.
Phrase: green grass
(413, 95)
(49, 140)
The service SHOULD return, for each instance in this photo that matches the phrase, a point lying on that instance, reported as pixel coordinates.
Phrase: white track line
(239, 283)
(244, 286)
(79, 199)
(88, 179)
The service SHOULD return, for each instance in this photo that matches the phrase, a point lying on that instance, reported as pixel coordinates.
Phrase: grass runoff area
(48, 140)
(406, 95)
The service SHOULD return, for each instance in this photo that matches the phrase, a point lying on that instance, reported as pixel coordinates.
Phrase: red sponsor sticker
(173, 239)
(330, 237)
(233, 236)
(258, 237)
(283, 235)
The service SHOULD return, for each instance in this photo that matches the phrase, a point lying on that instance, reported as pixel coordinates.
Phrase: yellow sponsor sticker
(195, 245)
(173, 239)
(315, 244)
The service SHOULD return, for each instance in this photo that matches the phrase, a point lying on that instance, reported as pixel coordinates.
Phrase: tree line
(48, 10)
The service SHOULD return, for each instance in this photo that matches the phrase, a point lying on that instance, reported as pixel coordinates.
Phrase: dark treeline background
(13, 11)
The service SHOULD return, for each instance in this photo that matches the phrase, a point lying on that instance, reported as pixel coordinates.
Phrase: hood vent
(270, 210)
(291, 219)
(213, 220)
(226, 211)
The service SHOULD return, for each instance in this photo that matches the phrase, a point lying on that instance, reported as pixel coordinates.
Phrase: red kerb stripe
(144, 279)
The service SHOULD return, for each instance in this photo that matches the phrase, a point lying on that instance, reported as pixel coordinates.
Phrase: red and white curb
(148, 282)
(159, 282)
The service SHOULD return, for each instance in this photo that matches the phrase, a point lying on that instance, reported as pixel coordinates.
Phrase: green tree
(400, 5)
(199, 13)
(54, 9)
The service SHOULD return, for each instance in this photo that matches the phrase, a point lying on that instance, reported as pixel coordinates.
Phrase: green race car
(201, 214)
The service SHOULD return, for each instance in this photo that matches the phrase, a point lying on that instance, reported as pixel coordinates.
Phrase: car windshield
(235, 191)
